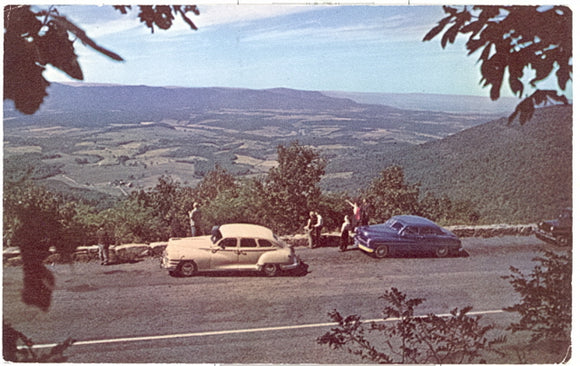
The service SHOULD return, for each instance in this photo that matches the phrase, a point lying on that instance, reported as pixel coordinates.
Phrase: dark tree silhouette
(513, 38)
(34, 39)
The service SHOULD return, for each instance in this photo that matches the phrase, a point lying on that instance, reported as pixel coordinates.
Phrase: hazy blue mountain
(433, 102)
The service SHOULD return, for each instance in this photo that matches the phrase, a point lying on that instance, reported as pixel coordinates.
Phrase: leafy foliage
(512, 38)
(34, 39)
(292, 186)
(546, 297)
(36, 220)
(390, 195)
(11, 352)
(162, 15)
(412, 339)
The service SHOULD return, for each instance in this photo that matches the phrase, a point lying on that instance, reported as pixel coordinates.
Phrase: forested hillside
(511, 172)
(108, 141)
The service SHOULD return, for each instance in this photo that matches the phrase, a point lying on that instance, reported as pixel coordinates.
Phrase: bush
(546, 297)
(12, 353)
(412, 339)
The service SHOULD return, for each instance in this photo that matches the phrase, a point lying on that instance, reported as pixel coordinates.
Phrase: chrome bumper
(361, 246)
(170, 265)
(294, 265)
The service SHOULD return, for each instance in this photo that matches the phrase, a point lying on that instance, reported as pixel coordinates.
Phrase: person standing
(103, 244)
(365, 212)
(318, 229)
(195, 219)
(356, 213)
(345, 234)
(310, 229)
(313, 229)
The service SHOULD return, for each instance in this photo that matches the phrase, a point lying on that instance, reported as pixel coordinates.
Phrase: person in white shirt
(345, 234)
(314, 228)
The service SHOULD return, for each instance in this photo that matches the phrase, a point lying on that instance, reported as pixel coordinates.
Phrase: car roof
(415, 220)
(246, 231)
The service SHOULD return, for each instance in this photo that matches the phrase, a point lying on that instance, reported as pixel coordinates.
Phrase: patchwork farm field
(98, 150)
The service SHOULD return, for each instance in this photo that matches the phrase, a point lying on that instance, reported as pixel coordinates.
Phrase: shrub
(13, 353)
(412, 339)
(546, 297)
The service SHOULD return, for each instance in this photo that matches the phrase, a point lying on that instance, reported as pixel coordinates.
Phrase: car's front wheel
(382, 251)
(442, 252)
(187, 269)
(270, 269)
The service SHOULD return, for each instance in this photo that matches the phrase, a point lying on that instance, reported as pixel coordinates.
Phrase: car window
(229, 243)
(411, 230)
(263, 243)
(248, 243)
(430, 231)
(396, 225)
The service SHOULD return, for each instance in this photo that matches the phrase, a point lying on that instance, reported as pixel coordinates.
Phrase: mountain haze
(112, 139)
(433, 102)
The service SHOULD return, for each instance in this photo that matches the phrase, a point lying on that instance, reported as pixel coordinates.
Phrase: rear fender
(276, 257)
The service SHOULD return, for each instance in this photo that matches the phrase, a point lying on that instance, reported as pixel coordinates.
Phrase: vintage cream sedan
(231, 247)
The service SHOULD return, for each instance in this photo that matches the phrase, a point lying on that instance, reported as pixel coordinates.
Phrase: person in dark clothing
(194, 220)
(345, 234)
(103, 244)
(365, 212)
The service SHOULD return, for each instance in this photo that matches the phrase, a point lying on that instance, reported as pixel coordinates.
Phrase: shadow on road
(461, 254)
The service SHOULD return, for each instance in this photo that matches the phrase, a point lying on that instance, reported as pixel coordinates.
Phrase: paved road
(137, 313)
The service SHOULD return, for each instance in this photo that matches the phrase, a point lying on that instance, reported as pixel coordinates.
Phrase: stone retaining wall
(489, 231)
(131, 252)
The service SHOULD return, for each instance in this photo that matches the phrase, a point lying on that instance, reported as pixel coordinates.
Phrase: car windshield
(394, 224)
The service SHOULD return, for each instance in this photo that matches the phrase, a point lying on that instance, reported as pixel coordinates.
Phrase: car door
(411, 240)
(225, 255)
(431, 239)
(249, 253)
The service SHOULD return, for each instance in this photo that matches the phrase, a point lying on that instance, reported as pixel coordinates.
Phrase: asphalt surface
(136, 312)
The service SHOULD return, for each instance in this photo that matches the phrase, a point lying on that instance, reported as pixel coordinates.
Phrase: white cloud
(389, 29)
(239, 14)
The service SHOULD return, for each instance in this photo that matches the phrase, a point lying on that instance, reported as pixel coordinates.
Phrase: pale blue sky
(346, 48)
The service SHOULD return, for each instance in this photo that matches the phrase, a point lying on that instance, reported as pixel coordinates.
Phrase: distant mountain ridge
(83, 97)
(110, 139)
(147, 99)
(433, 102)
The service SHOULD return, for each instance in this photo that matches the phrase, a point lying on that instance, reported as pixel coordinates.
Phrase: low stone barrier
(489, 231)
(131, 252)
(157, 248)
(135, 251)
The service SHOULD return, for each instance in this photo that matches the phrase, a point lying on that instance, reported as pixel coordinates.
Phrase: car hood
(190, 242)
(378, 229)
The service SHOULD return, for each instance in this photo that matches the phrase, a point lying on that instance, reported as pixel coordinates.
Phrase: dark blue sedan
(407, 233)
